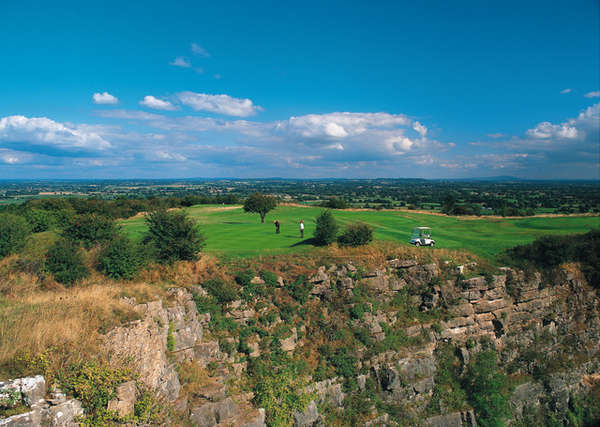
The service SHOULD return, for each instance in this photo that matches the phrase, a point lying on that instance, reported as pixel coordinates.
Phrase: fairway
(231, 231)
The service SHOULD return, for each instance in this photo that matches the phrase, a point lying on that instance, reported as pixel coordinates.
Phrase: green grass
(233, 232)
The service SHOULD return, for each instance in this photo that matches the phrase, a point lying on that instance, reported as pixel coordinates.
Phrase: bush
(356, 234)
(326, 228)
(91, 230)
(66, 262)
(120, 259)
(13, 233)
(94, 384)
(224, 292)
(549, 252)
(173, 236)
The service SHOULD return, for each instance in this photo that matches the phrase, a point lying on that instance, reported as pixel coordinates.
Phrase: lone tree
(173, 236)
(326, 229)
(260, 204)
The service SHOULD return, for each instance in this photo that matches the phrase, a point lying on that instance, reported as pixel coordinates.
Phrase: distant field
(230, 231)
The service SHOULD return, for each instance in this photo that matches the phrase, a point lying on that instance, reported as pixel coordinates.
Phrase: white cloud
(221, 104)
(45, 132)
(11, 157)
(157, 104)
(341, 125)
(567, 90)
(547, 130)
(129, 114)
(399, 144)
(199, 50)
(420, 129)
(104, 98)
(180, 61)
(169, 156)
(594, 94)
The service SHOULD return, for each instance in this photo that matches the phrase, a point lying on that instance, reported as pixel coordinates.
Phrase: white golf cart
(421, 236)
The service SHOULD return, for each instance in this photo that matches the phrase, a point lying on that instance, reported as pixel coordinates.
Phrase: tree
(260, 204)
(65, 261)
(120, 259)
(326, 228)
(173, 236)
(335, 203)
(39, 219)
(91, 229)
(13, 233)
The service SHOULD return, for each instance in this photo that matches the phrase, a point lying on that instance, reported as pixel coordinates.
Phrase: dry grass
(66, 319)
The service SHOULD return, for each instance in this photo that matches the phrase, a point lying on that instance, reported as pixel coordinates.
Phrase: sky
(312, 89)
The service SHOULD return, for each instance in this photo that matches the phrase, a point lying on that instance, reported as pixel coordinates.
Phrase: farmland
(231, 232)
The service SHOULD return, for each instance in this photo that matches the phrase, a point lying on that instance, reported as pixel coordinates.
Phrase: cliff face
(415, 322)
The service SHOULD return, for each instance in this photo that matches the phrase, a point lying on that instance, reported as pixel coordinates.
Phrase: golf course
(229, 231)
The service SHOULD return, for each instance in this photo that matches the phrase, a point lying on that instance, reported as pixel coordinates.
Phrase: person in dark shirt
(276, 222)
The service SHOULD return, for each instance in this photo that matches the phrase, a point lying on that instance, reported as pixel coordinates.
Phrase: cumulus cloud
(341, 125)
(567, 90)
(199, 50)
(157, 104)
(583, 127)
(104, 98)
(181, 61)
(420, 129)
(547, 130)
(24, 132)
(594, 94)
(220, 104)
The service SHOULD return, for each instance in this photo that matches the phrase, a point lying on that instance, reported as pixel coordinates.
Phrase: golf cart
(421, 236)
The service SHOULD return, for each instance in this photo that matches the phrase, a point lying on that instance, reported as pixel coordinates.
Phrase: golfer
(276, 222)
(301, 229)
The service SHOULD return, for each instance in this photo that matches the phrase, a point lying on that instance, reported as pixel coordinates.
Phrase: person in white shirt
(301, 229)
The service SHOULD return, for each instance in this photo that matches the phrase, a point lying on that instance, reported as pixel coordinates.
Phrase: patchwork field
(231, 231)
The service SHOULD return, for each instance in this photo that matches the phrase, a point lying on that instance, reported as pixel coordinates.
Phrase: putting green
(231, 231)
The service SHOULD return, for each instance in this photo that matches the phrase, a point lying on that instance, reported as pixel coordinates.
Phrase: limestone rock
(308, 417)
(124, 403)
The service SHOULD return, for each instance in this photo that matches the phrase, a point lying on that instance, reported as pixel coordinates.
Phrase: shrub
(224, 292)
(13, 233)
(91, 230)
(120, 259)
(269, 277)
(548, 252)
(326, 228)
(94, 384)
(345, 364)
(66, 262)
(243, 278)
(356, 234)
(173, 236)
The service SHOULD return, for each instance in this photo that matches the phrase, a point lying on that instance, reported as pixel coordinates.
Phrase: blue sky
(311, 89)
